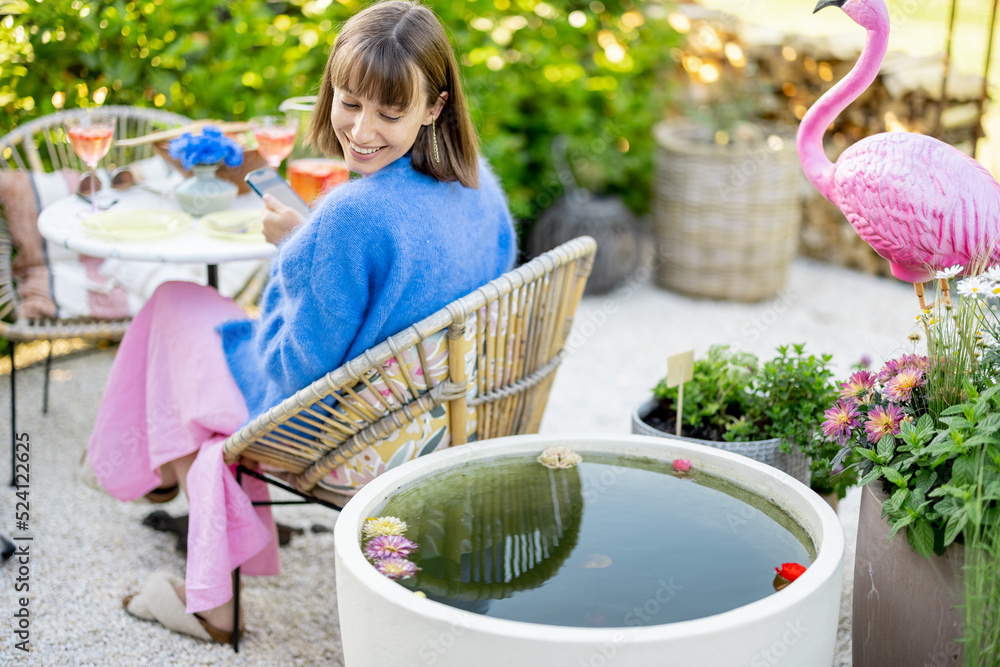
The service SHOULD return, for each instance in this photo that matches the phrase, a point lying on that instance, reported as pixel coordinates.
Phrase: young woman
(427, 224)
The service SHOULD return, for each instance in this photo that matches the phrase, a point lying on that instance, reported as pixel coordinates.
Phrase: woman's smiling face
(373, 135)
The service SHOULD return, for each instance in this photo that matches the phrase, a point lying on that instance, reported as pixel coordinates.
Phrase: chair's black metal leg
(13, 411)
(236, 610)
(45, 391)
(236, 587)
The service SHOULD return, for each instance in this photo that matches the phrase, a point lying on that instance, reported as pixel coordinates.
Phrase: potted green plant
(924, 434)
(768, 411)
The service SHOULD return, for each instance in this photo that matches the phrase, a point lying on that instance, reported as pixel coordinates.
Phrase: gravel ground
(89, 550)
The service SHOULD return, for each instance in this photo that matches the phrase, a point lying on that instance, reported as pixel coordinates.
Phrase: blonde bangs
(379, 71)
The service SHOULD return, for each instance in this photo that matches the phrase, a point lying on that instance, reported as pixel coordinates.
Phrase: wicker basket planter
(795, 464)
(726, 218)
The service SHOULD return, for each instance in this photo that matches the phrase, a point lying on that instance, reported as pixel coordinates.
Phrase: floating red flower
(790, 571)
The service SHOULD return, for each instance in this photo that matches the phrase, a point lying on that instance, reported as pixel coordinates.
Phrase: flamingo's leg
(945, 292)
(919, 289)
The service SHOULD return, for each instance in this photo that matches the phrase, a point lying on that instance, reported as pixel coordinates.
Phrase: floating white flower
(384, 525)
(973, 287)
(993, 273)
(559, 457)
(950, 272)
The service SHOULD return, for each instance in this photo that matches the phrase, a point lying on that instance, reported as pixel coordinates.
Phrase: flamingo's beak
(826, 3)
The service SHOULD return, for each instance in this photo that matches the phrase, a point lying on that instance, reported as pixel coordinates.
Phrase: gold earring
(437, 156)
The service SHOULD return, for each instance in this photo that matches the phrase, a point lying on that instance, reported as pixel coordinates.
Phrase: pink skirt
(169, 394)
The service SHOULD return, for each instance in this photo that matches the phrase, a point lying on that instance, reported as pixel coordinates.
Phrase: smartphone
(269, 181)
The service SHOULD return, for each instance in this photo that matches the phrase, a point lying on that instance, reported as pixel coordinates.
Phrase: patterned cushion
(427, 433)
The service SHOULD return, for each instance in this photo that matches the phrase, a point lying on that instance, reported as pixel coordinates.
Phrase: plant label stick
(680, 369)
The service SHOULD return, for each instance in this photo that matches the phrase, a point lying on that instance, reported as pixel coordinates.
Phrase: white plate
(234, 225)
(135, 225)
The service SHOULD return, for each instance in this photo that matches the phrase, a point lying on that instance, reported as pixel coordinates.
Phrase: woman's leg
(169, 390)
(169, 403)
(220, 617)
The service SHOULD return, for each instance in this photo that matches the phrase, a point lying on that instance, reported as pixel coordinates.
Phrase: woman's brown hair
(377, 55)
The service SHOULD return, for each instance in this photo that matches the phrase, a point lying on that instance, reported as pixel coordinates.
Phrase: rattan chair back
(324, 425)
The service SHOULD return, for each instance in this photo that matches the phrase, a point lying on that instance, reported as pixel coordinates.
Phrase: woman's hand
(279, 220)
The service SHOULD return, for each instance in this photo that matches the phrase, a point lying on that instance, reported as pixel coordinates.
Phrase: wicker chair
(510, 333)
(327, 423)
(39, 145)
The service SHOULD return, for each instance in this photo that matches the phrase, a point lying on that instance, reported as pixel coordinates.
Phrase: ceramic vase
(205, 192)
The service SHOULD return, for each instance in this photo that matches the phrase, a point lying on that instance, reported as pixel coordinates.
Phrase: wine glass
(275, 137)
(90, 135)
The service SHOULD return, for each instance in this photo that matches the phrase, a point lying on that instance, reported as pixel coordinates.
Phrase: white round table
(59, 223)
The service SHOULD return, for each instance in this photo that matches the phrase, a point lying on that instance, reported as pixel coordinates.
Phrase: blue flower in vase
(209, 147)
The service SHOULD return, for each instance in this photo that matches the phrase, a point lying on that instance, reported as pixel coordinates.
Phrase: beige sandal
(158, 602)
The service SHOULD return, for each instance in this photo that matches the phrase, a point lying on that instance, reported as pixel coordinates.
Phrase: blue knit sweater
(378, 254)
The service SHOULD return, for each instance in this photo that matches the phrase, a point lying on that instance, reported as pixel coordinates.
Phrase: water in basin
(611, 542)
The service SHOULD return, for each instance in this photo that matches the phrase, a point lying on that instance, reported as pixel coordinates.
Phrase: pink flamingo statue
(920, 203)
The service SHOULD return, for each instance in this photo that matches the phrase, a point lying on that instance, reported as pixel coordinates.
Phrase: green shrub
(531, 74)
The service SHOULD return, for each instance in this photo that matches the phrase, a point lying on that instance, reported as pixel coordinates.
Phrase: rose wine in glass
(313, 177)
(90, 135)
(275, 137)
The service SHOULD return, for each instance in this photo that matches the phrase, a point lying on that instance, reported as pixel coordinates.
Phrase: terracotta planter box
(904, 604)
(795, 464)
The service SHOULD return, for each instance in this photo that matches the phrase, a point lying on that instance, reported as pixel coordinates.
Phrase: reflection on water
(604, 544)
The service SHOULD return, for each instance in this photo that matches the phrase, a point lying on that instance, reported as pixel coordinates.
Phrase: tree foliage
(533, 70)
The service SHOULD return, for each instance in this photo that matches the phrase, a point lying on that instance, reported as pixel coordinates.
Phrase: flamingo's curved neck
(809, 141)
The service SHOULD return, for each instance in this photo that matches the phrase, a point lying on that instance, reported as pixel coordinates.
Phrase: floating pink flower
(900, 388)
(840, 419)
(682, 465)
(883, 421)
(858, 385)
(396, 568)
(389, 546)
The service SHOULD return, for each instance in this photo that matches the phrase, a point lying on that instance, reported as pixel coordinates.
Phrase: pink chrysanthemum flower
(389, 546)
(840, 419)
(682, 465)
(858, 385)
(888, 371)
(883, 421)
(900, 388)
(894, 366)
(396, 568)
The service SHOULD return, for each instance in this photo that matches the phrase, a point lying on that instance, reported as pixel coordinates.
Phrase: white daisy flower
(384, 525)
(974, 287)
(951, 272)
(993, 273)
